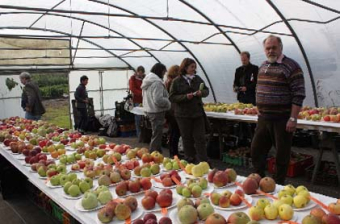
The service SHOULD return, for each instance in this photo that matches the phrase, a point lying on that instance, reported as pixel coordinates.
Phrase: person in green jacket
(186, 93)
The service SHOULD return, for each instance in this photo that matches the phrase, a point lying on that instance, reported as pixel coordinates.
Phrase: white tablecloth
(90, 217)
(302, 124)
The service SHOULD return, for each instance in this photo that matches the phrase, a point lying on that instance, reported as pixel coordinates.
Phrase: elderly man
(245, 79)
(279, 97)
(31, 98)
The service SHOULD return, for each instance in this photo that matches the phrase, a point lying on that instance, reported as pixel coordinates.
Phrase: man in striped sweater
(279, 96)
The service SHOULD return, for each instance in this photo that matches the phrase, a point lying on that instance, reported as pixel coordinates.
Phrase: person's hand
(243, 89)
(291, 126)
(190, 96)
(198, 93)
(86, 101)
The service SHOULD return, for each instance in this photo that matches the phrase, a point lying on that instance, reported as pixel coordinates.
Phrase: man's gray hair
(273, 36)
(25, 75)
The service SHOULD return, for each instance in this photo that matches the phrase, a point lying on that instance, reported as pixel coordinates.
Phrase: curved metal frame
(68, 35)
(170, 35)
(301, 49)
(90, 22)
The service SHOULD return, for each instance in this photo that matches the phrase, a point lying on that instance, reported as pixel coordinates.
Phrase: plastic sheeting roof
(129, 33)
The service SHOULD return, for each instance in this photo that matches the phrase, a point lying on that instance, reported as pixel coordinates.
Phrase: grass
(57, 113)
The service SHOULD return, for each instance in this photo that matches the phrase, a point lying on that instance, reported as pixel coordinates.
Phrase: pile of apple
(247, 111)
(331, 114)
(74, 186)
(121, 209)
(222, 178)
(254, 182)
(163, 199)
(198, 170)
(190, 212)
(49, 170)
(109, 176)
(131, 164)
(264, 210)
(172, 164)
(319, 216)
(147, 169)
(299, 197)
(100, 195)
(167, 178)
(151, 218)
(227, 198)
(109, 158)
(133, 186)
(70, 158)
(193, 188)
(223, 107)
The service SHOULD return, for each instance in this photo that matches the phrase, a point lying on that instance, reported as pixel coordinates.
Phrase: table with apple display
(319, 127)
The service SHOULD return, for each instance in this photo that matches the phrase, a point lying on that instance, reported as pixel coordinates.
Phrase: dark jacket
(246, 76)
(178, 94)
(32, 100)
(81, 95)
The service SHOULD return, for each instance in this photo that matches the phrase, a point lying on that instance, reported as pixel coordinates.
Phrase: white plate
(48, 184)
(79, 206)
(14, 153)
(31, 171)
(311, 204)
(43, 178)
(157, 208)
(26, 164)
(134, 215)
(231, 207)
(294, 219)
(189, 176)
(70, 197)
(173, 215)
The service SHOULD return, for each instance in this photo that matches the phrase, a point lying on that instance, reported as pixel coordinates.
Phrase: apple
(238, 217)
(256, 213)
(271, 212)
(286, 212)
(89, 201)
(334, 208)
(318, 213)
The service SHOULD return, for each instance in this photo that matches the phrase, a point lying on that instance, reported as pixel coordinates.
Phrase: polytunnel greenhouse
(107, 40)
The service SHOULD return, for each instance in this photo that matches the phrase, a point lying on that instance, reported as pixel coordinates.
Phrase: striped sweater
(279, 85)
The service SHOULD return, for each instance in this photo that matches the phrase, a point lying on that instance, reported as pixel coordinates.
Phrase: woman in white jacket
(156, 103)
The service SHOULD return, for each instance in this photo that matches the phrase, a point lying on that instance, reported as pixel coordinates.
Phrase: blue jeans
(137, 121)
(30, 116)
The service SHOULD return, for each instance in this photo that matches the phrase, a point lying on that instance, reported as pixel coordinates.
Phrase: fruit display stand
(56, 194)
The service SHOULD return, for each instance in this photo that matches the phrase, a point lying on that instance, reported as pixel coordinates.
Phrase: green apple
(184, 162)
(290, 188)
(145, 172)
(179, 189)
(89, 201)
(71, 158)
(76, 181)
(203, 183)
(52, 166)
(166, 160)
(74, 190)
(287, 199)
(101, 189)
(262, 202)
(71, 176)
(204, 210)
(196, 191)
(61, 168)
(55, 180)
(271, 212)
(104, 197)
(77, 156)
(305, 194)
(175, 166)
(300, 188)
(89, 181)
(84, 186)
(67, 185)
(256, 213)
(186, 192)
(168, 166)
(282, 193)
(286, 212)
(63, 159)
(42, 171)
(300, 201)
(155, 169)
(278, 203)
(63, 179)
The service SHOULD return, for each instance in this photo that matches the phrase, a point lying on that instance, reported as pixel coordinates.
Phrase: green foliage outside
(52, 85)
(58, 114)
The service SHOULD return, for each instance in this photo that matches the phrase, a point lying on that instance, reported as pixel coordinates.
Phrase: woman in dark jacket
(186, 93)
(174, 133)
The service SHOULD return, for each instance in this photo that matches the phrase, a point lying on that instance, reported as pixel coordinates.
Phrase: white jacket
(155, 95)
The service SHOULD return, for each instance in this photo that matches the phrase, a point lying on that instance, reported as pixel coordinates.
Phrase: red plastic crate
(295, 168)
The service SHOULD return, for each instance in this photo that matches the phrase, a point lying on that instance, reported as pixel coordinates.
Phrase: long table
(319, 126)
(90, 217)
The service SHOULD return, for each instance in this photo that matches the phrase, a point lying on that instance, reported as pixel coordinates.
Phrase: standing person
(245, 80)
(81, 103)
(156, 103)
(279, 96)
(31, 100)
(174, 133)
(135, 83)
(186, 93)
